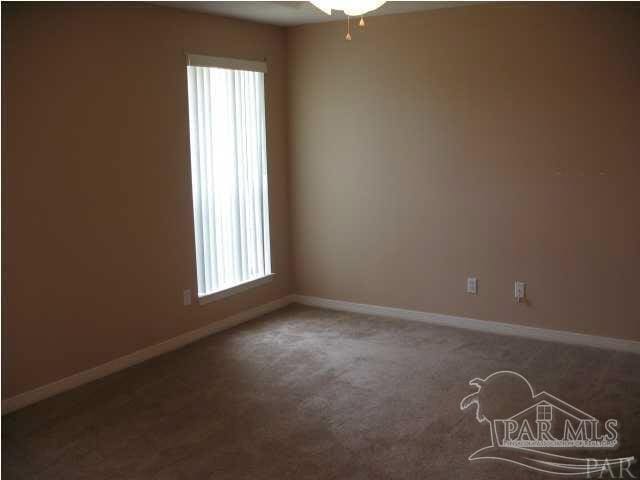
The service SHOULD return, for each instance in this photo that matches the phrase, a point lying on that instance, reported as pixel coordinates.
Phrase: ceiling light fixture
(351, 8)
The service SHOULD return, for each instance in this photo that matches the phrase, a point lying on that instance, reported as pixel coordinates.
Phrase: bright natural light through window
(228, 172)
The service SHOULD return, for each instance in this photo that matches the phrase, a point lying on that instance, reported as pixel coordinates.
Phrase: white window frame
(233, 64)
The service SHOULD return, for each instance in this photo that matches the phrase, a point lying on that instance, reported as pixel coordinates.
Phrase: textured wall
(97, 220)
(499, 141)
(436, 145)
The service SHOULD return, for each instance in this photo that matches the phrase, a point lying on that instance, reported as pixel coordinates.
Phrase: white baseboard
(86, 376)
(474, 324)
(27, 398)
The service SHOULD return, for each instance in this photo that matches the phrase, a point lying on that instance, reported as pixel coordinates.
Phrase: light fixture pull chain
(361, 22)
(348, 35)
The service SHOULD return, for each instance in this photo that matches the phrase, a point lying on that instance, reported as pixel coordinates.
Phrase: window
(544, 413)
(228, 173)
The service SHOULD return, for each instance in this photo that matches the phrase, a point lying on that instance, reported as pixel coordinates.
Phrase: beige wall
(423, 151)
(427, 150)
(97, 225)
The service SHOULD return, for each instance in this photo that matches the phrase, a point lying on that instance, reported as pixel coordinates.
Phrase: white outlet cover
(472, 285)
(186, 297)
(520, 290)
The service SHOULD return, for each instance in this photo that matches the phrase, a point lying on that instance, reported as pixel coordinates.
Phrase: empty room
(320, 240)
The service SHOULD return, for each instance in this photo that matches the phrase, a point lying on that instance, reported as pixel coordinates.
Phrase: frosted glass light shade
(353, 8)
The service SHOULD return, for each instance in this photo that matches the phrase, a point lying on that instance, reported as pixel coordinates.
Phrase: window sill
(241, 287)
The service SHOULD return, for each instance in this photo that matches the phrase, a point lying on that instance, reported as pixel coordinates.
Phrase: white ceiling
(296, 13)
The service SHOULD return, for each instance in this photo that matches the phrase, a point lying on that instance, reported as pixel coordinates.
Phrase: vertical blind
(229, 175)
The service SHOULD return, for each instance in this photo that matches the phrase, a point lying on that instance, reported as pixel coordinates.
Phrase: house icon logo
(523, 424)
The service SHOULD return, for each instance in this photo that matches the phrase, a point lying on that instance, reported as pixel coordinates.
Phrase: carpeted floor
(309, 393)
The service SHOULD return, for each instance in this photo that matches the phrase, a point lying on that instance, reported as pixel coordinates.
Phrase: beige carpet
(309, 393)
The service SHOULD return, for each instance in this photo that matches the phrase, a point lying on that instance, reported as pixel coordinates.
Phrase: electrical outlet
(472, 285)
(520, 291)
(186, 297)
